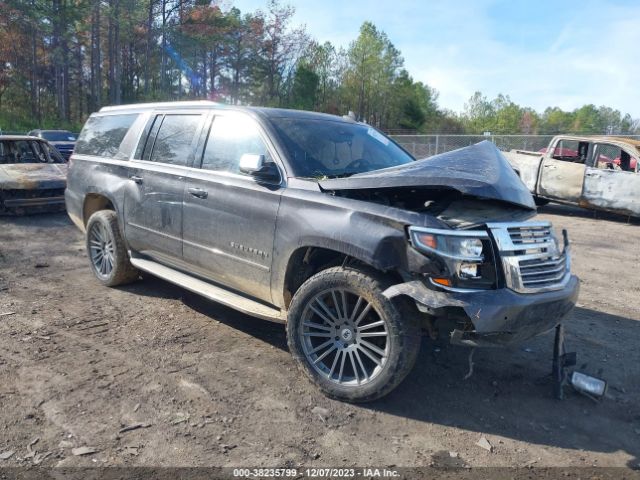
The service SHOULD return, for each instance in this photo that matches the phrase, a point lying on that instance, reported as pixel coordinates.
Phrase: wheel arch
(94, 202)
(306, 261)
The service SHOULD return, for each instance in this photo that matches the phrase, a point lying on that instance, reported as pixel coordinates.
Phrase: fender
(374, 234)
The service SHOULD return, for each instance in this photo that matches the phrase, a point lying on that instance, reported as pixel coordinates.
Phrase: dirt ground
(207, 386)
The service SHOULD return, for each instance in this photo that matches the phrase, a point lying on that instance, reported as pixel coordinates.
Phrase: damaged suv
(323, 223)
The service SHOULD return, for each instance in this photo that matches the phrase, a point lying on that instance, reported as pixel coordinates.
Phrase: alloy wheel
(344, 338)
(101, 248)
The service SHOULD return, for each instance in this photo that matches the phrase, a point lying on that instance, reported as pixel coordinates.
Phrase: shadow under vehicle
(32, 175)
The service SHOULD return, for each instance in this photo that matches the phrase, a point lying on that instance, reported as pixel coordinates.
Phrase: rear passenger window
(174, 140)
(230, 138)
(103, 134)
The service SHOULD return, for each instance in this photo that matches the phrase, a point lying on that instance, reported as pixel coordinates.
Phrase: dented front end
(32, 187)
(515, 284)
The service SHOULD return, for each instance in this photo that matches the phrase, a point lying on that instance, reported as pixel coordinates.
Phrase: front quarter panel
(372, 233)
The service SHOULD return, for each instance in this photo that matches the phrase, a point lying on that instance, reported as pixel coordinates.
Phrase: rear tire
(350, 340)
(106, 250)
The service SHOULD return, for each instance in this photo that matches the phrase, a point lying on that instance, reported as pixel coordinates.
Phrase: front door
(153, 198)
(230, 217)
(562, 172)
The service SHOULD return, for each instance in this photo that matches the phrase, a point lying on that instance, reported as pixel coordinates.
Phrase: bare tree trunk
(96, 58)
(147, 58)
(163, 58)
(80, 93)
(34, 84)
(115, 73)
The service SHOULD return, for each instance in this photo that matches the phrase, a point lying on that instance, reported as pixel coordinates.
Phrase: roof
(138, 107)
(20, 137)
(42, 130)
(628, 142)
(263, 111)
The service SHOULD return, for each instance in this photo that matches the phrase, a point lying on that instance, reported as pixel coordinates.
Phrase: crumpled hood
(29, 176)
(479, 170)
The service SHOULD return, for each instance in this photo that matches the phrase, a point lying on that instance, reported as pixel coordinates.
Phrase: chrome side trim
(210, 291)
(217, 251)
(157, 232)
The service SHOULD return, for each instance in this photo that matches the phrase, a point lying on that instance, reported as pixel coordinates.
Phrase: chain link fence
(421, 146)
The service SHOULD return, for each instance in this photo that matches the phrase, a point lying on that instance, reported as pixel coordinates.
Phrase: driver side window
(571, 151)
(230, 137)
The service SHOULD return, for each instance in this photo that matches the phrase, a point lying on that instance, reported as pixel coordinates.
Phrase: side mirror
(257, 166)
(250, 163)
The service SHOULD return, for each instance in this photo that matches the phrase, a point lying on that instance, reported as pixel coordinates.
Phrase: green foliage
(61, 60)
(304, 92)
(502, 116)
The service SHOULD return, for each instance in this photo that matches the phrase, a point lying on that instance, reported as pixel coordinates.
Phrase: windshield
(59, 136)
(327, 148)
(28, 151)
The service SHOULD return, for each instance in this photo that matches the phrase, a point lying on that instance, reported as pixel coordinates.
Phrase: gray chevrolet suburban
(325, 224)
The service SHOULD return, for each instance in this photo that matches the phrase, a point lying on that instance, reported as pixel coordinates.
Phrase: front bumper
(494, 317)
(46, 198)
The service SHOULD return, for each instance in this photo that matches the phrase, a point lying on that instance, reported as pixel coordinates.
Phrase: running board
(207, 290)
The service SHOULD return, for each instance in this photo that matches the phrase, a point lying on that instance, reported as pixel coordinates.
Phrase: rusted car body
(596, 172)
(33, 175)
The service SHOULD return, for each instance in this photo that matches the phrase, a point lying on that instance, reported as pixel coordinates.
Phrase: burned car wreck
(32, 175)
(594, 172)
(325, 224)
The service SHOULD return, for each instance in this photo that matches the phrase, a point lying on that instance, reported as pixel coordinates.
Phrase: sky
(541, 53)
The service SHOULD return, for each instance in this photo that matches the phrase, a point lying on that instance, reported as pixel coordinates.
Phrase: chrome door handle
(198, 192)
(136, 179)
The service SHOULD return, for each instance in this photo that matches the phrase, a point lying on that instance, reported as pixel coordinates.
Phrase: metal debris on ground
(180, 418)
(470, 372)
(484, 443)
(323, 413)
(6, 455)
(83, 451)
(136, 426)
(4, 314)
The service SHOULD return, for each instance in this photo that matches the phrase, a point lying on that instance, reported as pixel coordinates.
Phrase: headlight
(466, 255)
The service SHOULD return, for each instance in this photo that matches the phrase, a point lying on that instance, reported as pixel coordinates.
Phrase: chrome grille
(531, 257)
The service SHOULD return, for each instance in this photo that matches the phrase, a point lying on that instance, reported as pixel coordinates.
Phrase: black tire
(401, 340)
(540, 202)
(105, 223)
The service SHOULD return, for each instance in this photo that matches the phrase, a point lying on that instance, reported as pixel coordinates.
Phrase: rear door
(562, 173)
(153, 199)
(613, 183)
(230, 217)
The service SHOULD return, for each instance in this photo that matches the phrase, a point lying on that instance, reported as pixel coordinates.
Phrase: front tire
(107, 252)
(350, 340)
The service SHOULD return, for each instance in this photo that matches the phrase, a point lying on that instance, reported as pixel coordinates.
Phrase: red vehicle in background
(603, 160)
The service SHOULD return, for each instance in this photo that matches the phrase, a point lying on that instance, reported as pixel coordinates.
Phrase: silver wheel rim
(101, 250)
(344, 338)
